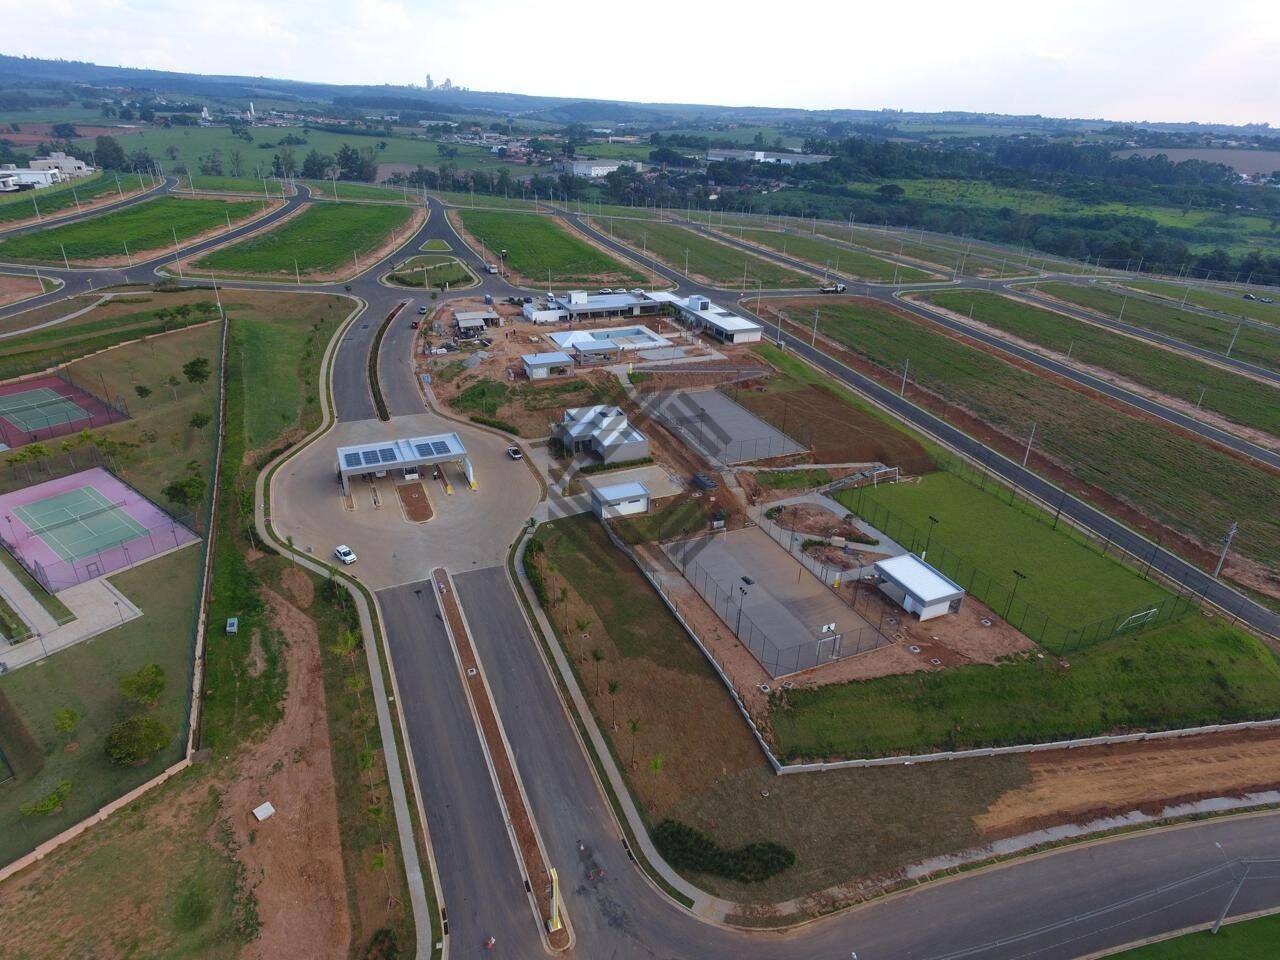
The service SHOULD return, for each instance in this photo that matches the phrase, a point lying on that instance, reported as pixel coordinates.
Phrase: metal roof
(554, 358)
(620, 491)
(369, 457)
(918, 579)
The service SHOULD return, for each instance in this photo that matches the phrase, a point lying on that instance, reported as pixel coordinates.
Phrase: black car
(704, 482)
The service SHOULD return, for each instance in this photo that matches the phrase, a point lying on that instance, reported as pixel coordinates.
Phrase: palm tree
(597, 657)
(613, 692)
(634, 726)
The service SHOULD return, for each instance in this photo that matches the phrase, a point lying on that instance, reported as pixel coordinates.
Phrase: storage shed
(917, 587)
(619, 500)
(540, 366)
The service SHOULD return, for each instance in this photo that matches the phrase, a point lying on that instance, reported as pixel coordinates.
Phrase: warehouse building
(26, 178)
(595, 169)
(766, 156)
(917, 587)
(402, 459)
(602, 431)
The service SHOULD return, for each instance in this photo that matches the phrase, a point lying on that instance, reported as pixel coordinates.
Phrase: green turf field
(1226, 300)
(538, 244)
(1188, 485)
(1253, 344)
(1257, 939)
(824, 254)
(718, 262)
(1241, 399)
(432, 270)
(146, 228)
(61, 199)
(324, 238)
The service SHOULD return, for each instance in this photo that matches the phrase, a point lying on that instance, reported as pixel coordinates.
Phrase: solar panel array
(388, 454)
(351, 459)
(439, 447)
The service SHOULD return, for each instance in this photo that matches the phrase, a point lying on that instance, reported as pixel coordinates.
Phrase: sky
(1127, 60)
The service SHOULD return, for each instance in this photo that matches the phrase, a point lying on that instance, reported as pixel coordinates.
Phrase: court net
(54, 401)
(75, 518)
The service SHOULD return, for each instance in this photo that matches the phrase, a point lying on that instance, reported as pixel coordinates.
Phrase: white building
(541, 366)
(69, 167)
(917, 587)
(766, 156)
(8, 183)
(601, 430)
(703, 316)
(26, 178)
(595, 169)
(619, 500)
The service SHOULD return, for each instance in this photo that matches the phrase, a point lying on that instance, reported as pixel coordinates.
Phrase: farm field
(825, 255)
(1242, 161)
(62, 199)
(144, 229)
(346, 190)
(1253, 344)
(719, 263)
(1187, 673)
(1173, 479)
(431, 270)
(1238, 398)
(1226, 300)
(538, 244)
(324, 239)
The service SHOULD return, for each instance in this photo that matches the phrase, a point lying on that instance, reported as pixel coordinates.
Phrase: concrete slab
(307, 505)
(97, 606)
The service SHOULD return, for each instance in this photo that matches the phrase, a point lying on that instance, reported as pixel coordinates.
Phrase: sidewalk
(96, 604)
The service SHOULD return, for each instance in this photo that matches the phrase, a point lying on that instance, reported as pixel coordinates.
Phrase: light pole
(1014, 592)
(742, 599)
(933, 522)
(1226, 545)
(1026, 455)
(1232, 344)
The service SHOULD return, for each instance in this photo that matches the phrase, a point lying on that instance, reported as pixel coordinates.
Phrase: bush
(136, 740)
(144, 687)
(49, 804)
(622, 465)
(497, 424)
(686, 848)
(531, 570)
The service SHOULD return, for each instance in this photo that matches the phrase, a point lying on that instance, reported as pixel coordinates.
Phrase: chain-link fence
(729, 433)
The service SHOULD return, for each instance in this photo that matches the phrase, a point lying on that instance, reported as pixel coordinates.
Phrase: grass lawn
(718, 262)
(687, 754)
(484, 200)
(437, 244)
(824, 254)
(86, 678)
(1173, 479)
(1257, 346)
(1187, 673)
(484, 397)
(62, 198)
(1068, 580)
(145, 228)
(1228, 300)
(346, 190)
(1257, 939)
(249, 185)
(681, 518)
(324, 238)
(431, 270)
(1238, 398)
(538, 244)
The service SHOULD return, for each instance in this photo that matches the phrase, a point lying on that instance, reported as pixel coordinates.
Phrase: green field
(720, 263)
(324, 238)
(1190, 486)
(346, 190)
(538, 244)
(248, 185)
(432, 270)
(145, 228)
(826, 255)
(980, 536)
(945, 256)
(1187, 673)
(1253, 344)
(1240, 399)
(1230, 302)
(436, 244)
(62, 199)
(484, 200)
(1257, 939)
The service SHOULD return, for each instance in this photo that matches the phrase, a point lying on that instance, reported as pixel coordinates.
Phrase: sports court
(48, 407)
(83, 526)
(729, 432)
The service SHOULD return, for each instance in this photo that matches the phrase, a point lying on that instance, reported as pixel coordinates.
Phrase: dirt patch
(14, 288)
(300, 588)
(257, 660)
(815, 519)
(841, 558)
(1093, 782)
(294, 859)
(414, 500)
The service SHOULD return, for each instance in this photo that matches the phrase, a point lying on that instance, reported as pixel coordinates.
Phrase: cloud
(1139, 60)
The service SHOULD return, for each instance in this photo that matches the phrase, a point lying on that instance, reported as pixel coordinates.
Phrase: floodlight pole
(217, 296)
(933, 522)
(1014, 592)
(1226, 545)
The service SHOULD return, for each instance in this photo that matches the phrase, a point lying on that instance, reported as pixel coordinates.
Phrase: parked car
(413, 324)
(344, 554)
(606, 290)
(1250, 296)
(527, 299)
(422, 311)
(1265, 300)
(515, 453)
(704, 482)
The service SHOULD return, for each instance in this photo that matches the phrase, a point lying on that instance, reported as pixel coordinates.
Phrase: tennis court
(43, 407)
(52, 406)
(79, 523)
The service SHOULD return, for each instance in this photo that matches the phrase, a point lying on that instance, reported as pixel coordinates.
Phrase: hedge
(687, 848)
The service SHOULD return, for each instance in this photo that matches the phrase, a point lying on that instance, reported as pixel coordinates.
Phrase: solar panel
(351, 459)
(388, 454)
(439, 447)
(371, 457)
(424, 449)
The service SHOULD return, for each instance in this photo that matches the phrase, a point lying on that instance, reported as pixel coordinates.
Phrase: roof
(554, 358)
(462, 315)
(918, 579)
(620, 491)
(597, 346)
(714, 315)
(466, 323)
(382, 454)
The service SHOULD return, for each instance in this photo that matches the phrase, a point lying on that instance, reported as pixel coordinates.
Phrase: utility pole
(297, 277)
(1226, 545)
(175, 251)
(1233, 337)
(64, 256)
(814, 341)
(905, 368)
(1026, 455)
(1200, 399)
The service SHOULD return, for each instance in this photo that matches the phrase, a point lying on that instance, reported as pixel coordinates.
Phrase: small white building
(541, 366)
(619, 500)
(26, 178)
(917, 587)
(603, 431)
(68, 166)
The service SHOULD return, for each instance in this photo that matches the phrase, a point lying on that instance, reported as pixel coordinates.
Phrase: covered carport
(402, 458)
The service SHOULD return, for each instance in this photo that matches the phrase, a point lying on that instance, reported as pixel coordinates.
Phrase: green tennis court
(79, 523)
(32, 410)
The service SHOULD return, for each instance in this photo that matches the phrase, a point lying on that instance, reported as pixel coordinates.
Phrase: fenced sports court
(87, 525)
(48, 407)
(711, 421)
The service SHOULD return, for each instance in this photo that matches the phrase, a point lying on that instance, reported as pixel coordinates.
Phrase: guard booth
(402, 459)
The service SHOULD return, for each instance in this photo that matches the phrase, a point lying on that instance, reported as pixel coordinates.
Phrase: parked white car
(345, 554)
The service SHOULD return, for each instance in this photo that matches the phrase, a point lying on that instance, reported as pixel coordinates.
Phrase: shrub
(497, 424)
(145, 686)
(49, 804)
(136, 740)
(621, 465)
(685, 847)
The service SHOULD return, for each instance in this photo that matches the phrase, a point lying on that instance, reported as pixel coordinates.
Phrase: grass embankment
(718, 262)
(1238, 398)
(431, 271)
(1257, 939)
(825, 255)
(1228, 300)
(949, 259)
(1212, 333)
(687, 755)
(538, 244)
(325, 238)
(144, 229)
(247, 185)
(1173, 479)
(484, 201)
(792, 479)
(62, 198)
(346, 190)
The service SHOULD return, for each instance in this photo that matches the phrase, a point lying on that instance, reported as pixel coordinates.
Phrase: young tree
(597, 657)
(197, 370)
(136, 740)
(200, 420)
(145, 686)
(49, 804)
(109, 154)
(142, 391)
(173, 383)
(186, 491)
(65, 720)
